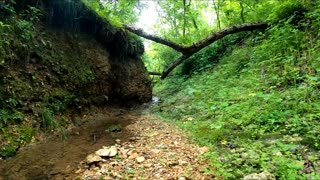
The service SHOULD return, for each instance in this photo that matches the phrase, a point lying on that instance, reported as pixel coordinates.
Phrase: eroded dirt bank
(64, 58)
(166, 151)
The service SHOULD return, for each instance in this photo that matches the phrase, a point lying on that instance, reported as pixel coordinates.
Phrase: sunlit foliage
(117, 12)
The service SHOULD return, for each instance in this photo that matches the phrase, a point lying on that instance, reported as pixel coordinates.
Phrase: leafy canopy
(117, 12)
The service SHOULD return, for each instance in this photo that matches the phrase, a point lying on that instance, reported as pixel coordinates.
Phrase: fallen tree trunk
(188, 51)
(154, 38)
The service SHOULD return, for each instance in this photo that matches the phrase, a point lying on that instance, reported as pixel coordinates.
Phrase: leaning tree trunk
(188, 51)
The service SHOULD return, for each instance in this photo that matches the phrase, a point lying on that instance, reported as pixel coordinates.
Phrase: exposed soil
(167, 153)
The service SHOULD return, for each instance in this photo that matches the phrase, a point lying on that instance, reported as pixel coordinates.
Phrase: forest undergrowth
(258, 108)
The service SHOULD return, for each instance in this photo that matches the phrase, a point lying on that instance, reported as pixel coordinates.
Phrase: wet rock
(93, 158)
(261, 176)
(107, 152)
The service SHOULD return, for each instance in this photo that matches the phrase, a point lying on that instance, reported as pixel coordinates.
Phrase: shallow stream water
(58, 159)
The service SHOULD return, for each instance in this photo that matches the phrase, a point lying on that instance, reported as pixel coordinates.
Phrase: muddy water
(57, 159)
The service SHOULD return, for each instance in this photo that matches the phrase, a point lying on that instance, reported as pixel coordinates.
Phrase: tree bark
(242, 12)
(217, 10)
(224, 32)
(188, 51)
(155, 73)
(173, 65)
(155, 38)
(194, 23)
(184, 18)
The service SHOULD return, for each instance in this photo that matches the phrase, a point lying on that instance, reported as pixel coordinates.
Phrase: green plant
(7, 7)
(33, 14)
(63, 133)
(291, 11)
(4, 33)
(48, 122)
(60, 101)
(130, 171)
(117, 12)
(8, 151)
(26, 134)
(4, 117)
(25, 30)
(7, 117)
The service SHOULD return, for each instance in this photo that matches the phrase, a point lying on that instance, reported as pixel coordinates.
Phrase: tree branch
(155, 73)
(166, 72)
(224, 32)
(154, 38)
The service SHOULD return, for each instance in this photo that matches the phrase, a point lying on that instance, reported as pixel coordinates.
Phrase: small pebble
(140, 159)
